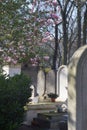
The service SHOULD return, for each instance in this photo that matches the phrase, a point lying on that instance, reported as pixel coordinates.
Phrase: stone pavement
(25, 127)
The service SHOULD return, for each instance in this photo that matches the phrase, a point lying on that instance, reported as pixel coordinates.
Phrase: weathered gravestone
(45, 85)
(50, 82)
(77, 90)
(40, 83)
(62, 83)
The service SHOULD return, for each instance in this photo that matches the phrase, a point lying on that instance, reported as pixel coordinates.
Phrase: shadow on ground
(25, 127)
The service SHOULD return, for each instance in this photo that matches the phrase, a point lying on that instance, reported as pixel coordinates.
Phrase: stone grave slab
(49, 120)
(62, 83)
(34, 109)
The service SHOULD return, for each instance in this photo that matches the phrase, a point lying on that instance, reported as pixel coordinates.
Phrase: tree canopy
(33, 29)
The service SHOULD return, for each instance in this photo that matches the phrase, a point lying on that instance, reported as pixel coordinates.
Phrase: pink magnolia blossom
(23, 54)
(54, 16)
(50, 21)
(44, 40)
(58, 21)
(8, 59)
(15, 53)
(17, 56)
(34, 65)
(47, 33)
(31, 59)
(34, 1)
(46, 58)
(14, 61)
(35, 61)
(55, 3)
(21, 47)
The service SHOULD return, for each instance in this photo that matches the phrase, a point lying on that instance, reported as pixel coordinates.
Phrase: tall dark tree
(65, 9)
(85, 27)
(79, 22)
(72, 13)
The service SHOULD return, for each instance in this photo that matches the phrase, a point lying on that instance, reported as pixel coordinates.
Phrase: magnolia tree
(27, 30)
(49, 19)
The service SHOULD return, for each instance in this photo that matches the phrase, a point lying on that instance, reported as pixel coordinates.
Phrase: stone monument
(34, 98)
(45, 84)
(40, 83)
(77, 90)
(50, 82)
(62, 83)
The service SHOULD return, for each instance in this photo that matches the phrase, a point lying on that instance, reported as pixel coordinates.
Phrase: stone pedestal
(34, 109)
(50, 120)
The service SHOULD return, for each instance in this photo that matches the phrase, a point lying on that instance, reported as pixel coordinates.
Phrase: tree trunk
(55, 56)
(79, 22)
(85, 27)
(65, 38)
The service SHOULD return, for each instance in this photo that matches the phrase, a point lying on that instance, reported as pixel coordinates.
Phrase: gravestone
(45, 85)
(40, 83)
(62, 83)
(50, 82)
(77, 90)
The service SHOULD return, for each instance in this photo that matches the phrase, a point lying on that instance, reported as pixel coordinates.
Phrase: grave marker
(62, 83)
(77, 90)
(50, 82)
(40, 83)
